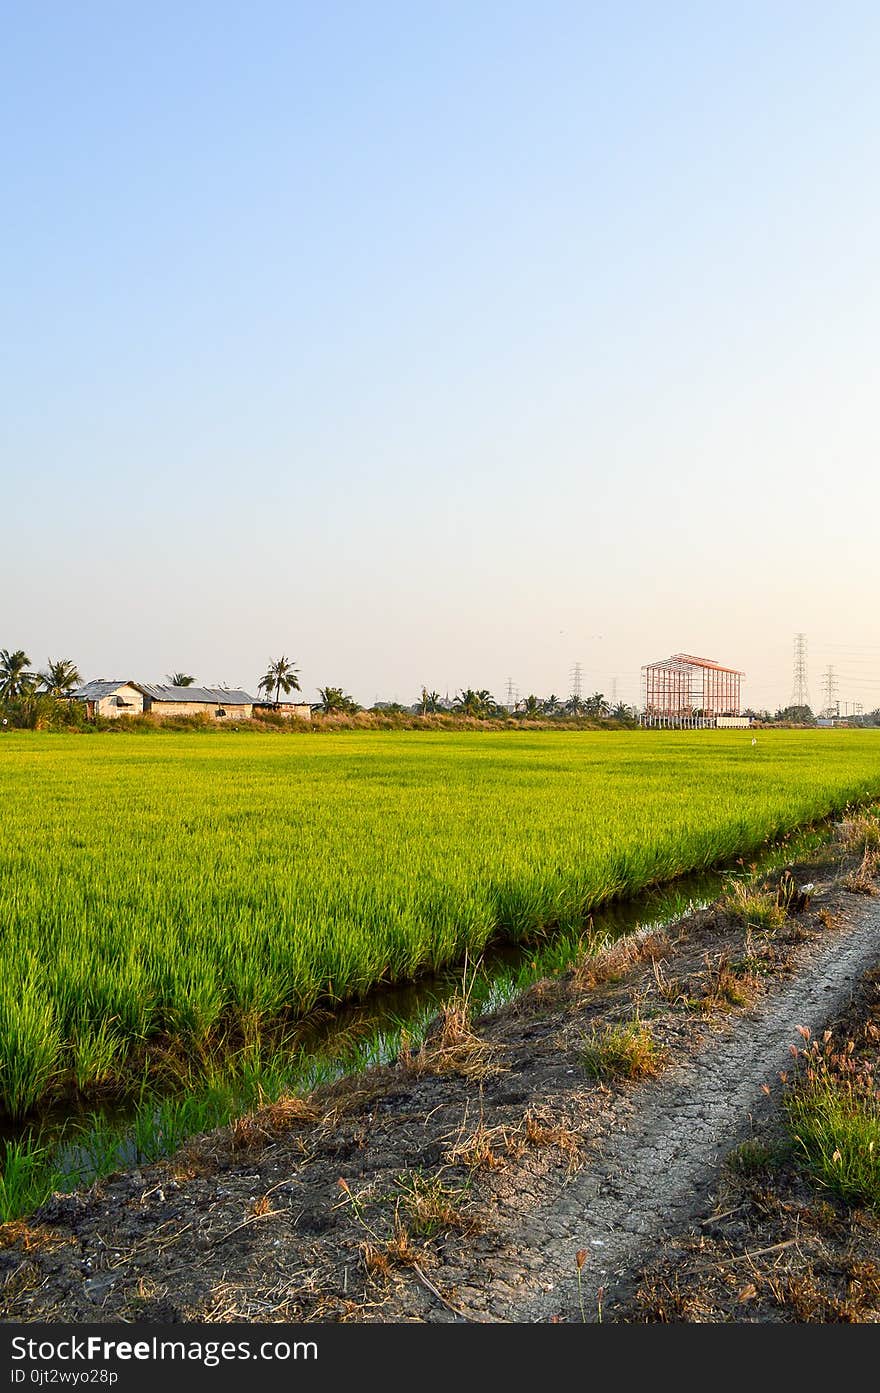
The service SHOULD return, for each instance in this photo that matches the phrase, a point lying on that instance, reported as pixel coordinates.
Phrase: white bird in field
(754, 741)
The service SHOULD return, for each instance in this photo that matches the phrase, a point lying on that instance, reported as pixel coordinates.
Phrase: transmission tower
(511, 694)
(800, 691)
(830, 689)
(577, 680)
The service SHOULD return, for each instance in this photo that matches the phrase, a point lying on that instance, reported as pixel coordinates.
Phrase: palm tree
(622, 712)
(531, 707)
(281, 675)
(16, 679)
(429, 702)
(552, 705)
(60, 677)
(180, 679)
(475, 704)
(597, 705)
(335, 701)
(574, 706)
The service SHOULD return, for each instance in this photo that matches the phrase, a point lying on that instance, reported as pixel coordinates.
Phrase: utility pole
(800, 692)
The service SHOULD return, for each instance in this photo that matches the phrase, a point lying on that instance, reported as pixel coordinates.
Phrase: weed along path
(587, 1120)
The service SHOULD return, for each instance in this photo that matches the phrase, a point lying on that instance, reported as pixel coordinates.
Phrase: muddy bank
(461, 1183)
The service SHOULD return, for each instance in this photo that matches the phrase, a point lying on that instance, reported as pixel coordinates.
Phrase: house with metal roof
(110, 698)
(219, 703)
(114, 698)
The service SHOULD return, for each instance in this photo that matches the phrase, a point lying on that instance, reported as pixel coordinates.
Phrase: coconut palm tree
(180, 679)
(282, 676)
(16, 679)
(472, 703)
(531, 707)
(334, 701)
(597, 705)
(429, 702)
(574, 706)
(551, 706)
(60, 677)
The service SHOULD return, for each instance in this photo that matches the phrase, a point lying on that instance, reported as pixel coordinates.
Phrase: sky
(446, 344)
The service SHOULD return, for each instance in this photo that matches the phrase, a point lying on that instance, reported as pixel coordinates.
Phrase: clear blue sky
(441, 343)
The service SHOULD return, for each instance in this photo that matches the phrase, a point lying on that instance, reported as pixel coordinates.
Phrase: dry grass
(610, 963)
(675, 991)
(808, 1298)
(859, 834)
(554, 1134)
(256, 1129)
(23, 1278)
(862, 879)
(31, 1238)
(727, 984)
(486, 1148)
(491, 1148)
(429, 1207)
(376, 1260)
(452, 1047)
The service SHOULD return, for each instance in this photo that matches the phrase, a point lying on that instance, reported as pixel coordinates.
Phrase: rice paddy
(162, 894)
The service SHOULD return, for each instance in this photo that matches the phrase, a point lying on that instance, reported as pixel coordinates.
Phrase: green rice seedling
(30, 1043)
(27, 1176)
(197, 888)
(96, 1053)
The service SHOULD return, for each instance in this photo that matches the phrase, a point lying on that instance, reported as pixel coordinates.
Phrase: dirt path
(658, 1175)
(460, 1184)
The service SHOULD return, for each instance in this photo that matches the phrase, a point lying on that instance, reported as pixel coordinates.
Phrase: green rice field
(182, 887)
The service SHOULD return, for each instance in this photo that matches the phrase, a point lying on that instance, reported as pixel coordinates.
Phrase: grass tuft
(833, 1109)
(621, 1052)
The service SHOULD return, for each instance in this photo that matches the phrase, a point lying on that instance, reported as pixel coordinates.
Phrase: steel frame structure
(684, 687)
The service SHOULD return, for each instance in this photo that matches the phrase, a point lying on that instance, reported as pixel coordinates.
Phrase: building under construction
(684, 691)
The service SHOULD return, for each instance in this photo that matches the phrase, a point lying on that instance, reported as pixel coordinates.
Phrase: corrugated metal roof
(215, 696)
(100, 687)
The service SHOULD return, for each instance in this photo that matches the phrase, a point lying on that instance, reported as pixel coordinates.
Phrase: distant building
(216, 702)
(686, 691)
(110, 699)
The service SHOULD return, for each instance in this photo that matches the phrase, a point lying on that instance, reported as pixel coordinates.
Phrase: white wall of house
(125, 701)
